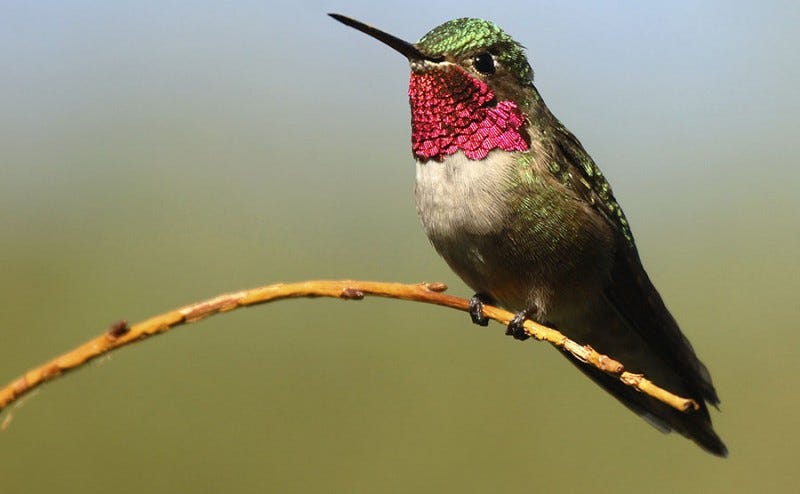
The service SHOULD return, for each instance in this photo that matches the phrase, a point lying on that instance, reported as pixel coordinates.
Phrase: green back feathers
(466, 36)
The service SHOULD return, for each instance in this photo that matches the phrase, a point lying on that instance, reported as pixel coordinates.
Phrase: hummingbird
(522, 214)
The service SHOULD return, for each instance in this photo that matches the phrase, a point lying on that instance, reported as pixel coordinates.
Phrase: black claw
(476, 309)
(516, 327)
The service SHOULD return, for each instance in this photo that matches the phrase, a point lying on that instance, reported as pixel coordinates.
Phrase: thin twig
(120, 334)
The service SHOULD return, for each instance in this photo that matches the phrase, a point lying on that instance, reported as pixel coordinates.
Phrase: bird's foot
(516, 328)
(476, 309)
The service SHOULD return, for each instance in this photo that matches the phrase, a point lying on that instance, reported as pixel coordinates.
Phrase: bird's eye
(484, 63)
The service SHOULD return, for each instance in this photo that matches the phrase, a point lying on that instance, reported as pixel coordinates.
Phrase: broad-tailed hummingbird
(520, 211)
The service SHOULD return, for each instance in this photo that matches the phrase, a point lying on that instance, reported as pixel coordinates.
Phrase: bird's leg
(516, 326)
(476, 308)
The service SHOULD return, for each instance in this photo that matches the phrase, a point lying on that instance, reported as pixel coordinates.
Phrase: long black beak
(410, 51)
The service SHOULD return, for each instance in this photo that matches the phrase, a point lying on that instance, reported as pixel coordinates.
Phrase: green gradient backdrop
(155, 153)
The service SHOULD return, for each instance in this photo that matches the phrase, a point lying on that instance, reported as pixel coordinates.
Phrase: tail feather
(630, 323)
(692, 425)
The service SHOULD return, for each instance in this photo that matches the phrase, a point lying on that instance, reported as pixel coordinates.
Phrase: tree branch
(120, 334)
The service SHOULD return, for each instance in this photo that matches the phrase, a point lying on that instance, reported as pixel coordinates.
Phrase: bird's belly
(469, 213)
(462, 205)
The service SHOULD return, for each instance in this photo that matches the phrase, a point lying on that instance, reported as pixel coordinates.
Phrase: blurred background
(156, 153)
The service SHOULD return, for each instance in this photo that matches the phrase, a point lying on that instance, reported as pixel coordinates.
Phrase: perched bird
(520, 211)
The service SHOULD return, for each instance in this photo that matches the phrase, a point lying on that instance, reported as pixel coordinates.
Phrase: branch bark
(120, 334)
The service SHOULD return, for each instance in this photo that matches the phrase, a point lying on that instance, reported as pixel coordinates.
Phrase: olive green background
(156, 153)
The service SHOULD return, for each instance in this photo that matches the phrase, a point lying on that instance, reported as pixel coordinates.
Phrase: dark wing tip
(710, 441)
